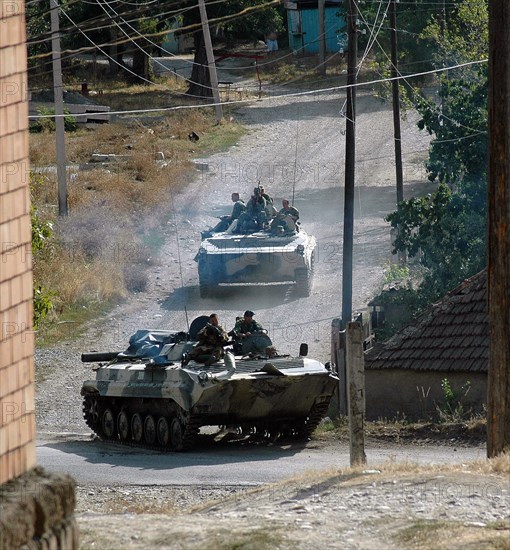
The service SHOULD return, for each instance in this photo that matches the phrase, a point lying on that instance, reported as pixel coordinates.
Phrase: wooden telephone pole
(58, 90)
(350, 160)
(396, 103)
(210, 60)
(498, 414)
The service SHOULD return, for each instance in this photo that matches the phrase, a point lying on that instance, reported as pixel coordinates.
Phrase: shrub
(48, 124)
(452, 410)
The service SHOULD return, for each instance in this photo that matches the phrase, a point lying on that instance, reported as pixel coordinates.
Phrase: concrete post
(356, 392)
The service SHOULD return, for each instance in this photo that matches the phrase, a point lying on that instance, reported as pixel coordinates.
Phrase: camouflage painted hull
(256, 258)
(163, 404)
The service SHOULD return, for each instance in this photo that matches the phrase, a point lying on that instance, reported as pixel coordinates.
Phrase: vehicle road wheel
(303, 281)
(137, 428)
(123, 425)
(91, 412)
(149, 429)
(208, 290)
(163, 430)
(176, 434)
(108, 424)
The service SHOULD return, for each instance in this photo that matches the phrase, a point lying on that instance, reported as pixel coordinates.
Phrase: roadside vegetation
(444, 234)
(119, 212)
(94, 257)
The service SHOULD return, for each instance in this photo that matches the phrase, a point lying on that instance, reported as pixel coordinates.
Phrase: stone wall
(17, 424)
(36, 512)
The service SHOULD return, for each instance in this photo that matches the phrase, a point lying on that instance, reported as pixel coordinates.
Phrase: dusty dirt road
(295, 149)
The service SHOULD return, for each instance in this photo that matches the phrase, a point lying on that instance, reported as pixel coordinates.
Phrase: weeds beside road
(393, 507)
(339, 509)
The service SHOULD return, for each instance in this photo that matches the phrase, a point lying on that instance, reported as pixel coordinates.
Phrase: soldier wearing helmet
(210, 342)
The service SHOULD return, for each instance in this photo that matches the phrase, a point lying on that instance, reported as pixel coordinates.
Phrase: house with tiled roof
(450, 340)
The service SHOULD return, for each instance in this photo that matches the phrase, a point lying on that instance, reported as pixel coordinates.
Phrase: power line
(283, 96)
(190, 28)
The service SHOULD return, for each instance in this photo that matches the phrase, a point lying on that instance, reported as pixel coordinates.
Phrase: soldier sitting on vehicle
(225, 221)
(249, 336)
(255, 216)
(286, 219)
(210, 342)
(270, 209)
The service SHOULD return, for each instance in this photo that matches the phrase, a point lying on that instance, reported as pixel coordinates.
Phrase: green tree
(116, 27)
(236, 19)
(448, 228)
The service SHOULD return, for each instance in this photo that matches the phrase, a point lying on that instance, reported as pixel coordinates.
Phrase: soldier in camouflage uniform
(270, 209)
(238, 208)
(286, 218)
(255, 215)
(211, 340)
(247, 328)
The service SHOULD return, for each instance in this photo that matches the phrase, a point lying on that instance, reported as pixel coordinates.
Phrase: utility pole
(498, 398)
(350, 159)
(396, 103)
(58, 90)
(401, 255)
(355, 392)
(210, 60)
(322, 37)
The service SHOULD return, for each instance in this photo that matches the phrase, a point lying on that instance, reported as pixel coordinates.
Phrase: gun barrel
(95, 356)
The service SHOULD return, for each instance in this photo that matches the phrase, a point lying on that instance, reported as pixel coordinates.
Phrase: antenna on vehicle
(186, 314)
(295, 154)
(178, 252)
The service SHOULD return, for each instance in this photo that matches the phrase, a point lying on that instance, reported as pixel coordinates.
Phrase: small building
(403, 376)
(175, 43)
(303, 25)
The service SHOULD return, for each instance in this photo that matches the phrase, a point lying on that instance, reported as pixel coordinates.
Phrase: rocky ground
(360, 509)
(396, 505)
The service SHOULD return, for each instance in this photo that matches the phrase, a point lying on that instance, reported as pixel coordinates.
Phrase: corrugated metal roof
(452, 335)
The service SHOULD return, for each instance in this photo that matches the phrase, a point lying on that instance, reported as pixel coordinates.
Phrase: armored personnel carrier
(262, 256)
(147, 396)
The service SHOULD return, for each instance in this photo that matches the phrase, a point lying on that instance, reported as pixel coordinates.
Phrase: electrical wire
(147, 54)
(281, 96)
(190, 28)
(109, 56)
(133, 39)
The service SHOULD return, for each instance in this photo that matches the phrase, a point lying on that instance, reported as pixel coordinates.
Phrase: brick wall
(17, 419)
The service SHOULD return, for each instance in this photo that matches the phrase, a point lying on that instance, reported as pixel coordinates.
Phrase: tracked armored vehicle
(147, 396)
(228, 258)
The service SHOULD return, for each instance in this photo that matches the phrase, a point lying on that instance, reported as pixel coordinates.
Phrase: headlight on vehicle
(300, 249)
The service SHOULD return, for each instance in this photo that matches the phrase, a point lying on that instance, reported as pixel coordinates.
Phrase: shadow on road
(206, 452)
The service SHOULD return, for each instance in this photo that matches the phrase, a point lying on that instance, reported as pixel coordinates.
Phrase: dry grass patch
(127, 504)
(433, 535)
(120, 96)
(244, 538)
(160, 531)
(472, 430)
(328, 478)
(118, 211)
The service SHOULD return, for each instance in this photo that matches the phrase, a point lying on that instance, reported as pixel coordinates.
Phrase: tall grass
(99, 253)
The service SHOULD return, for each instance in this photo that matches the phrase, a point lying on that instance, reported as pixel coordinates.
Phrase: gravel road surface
(133, 499)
